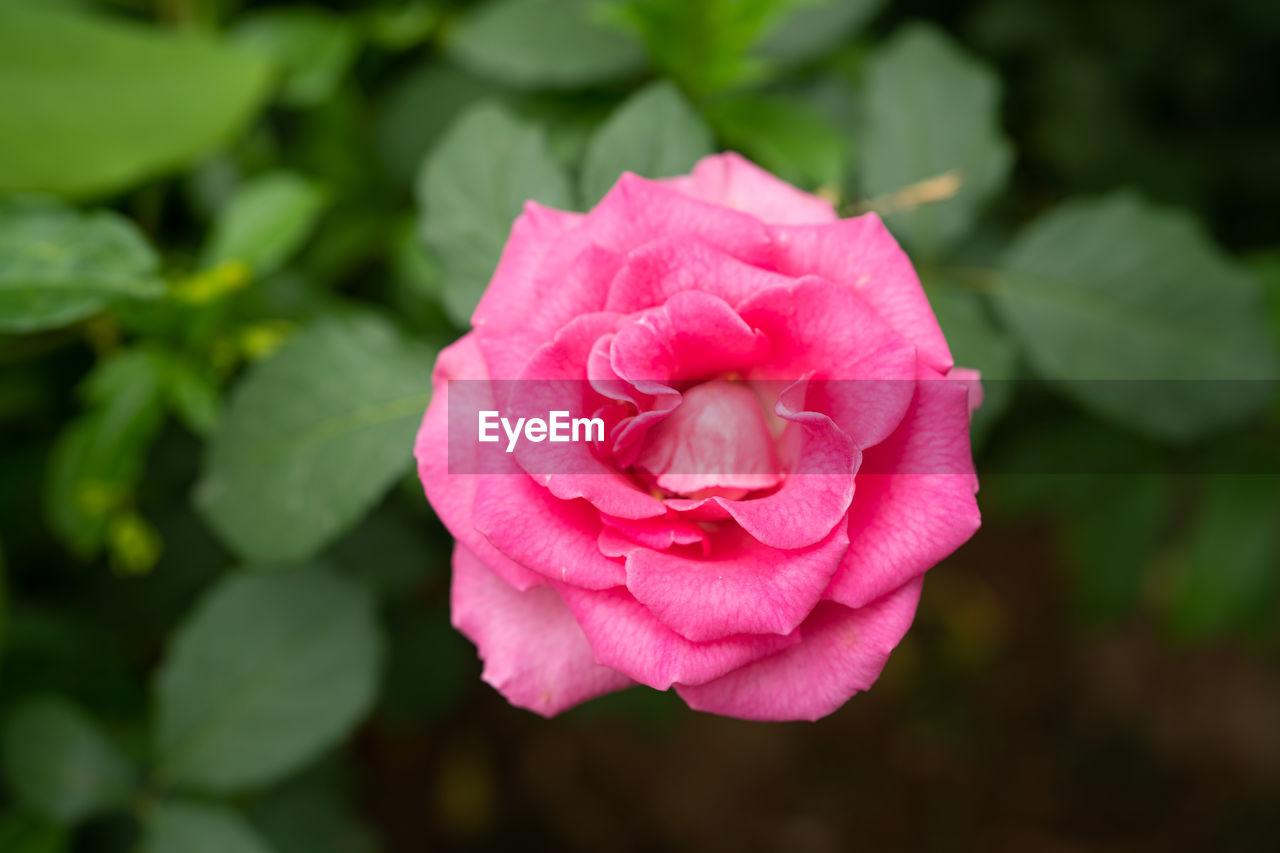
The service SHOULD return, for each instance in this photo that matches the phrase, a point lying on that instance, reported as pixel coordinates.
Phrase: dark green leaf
(1228, 583)
(188, 827)
(265, 222)
(1112, 533)
(313, 437)
(268, 671)
(24, 833)
(417, 109)
(472, 187)
(655, 133)
(58, 763)
(1119, 289)
(815, 28)
(93, 105)
(58, 266)
(932, 109)
(554, 43)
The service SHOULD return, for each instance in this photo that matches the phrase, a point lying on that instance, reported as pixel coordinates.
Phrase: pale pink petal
(863, 371)
(739, 587)
(915, 498)
(717, 438)
(630, 639)
(534, 653)
(552, 537)
(673, 264)
(862, 254)
(732, 180)
(452, 496)
(842, 652)
(638, 211)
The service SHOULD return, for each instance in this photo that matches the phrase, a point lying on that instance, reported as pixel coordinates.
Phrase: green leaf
(975, 342)
(265, 222)
(268, 671)
(417, 109)
(312, 47)
(188, 827)
(98, 457)
(59, 765)
(1119, 289)
(543, 43)
(1228, 581)
(313, 437)
(93, 105)
(782, 135)
(815, 28)
(703, 45)
(932, 109)
(24, 833)
(58, 266)
(655, 133)
(472, 187)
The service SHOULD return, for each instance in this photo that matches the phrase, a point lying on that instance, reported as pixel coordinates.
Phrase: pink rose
(782, 464)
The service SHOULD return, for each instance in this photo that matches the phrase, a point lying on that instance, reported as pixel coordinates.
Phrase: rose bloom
(783, 461)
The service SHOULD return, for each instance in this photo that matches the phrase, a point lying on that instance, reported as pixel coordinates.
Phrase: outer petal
(630, 639)
(862, 254)
(915, 499)
(638, 211)
(453, 495)
(534, 653)
(741, 587)
(843, 651)
(733, 181)
(570, 281)
(555, 538)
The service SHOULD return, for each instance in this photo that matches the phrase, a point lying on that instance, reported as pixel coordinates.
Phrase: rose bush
(783, 460)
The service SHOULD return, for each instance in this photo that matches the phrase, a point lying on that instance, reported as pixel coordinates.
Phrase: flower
(783, 460)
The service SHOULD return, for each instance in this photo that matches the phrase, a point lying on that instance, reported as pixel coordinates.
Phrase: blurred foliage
(232, 235)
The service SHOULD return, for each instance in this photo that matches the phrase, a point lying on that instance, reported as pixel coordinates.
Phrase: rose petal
(733, 181)
(843, 652)
(453, 495)
(555, 538)
(534, 653)
(864, 371)
(681, 263)
(915, 499)
(638, 211)
(862, 254)
(630, 639)
(740, 587)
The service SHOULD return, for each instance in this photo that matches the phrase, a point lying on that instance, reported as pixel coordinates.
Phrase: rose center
(716, 442)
